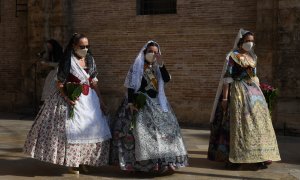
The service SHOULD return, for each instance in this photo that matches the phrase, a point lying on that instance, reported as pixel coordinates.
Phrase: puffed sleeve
(227, 79)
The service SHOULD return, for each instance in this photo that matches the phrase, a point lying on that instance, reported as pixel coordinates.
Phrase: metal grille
(151, 7)
(21, 7)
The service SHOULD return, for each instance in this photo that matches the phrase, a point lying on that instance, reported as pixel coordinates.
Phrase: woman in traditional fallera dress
(241, 126)
(147, 139)
(53, 54)
(75, 140)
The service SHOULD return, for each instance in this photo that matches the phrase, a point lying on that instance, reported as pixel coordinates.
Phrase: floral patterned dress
(56, 138)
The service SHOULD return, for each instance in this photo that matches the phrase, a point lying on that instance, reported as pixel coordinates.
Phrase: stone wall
(286, 68)
(277, 35)
(46, 19)
(13, 53)
(194, 44)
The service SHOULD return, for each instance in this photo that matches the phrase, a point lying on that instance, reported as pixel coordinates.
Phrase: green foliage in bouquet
(73, 92)
(139, 103)
(270, 94)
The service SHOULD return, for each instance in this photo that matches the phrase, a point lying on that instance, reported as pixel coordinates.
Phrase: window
(21, 7)
(151, 7)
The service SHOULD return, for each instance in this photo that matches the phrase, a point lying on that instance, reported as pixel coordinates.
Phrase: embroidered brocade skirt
(154, 142)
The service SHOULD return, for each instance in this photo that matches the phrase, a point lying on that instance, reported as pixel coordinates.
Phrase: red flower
(85, 89)
(266, 87)
(270, 94)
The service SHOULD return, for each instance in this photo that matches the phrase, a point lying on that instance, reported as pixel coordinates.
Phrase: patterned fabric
(218, 149)
(157, 134)
(49, 86)
(155, 141)
(149, 75)
(89, 124)
(47, 141)
(252, 137)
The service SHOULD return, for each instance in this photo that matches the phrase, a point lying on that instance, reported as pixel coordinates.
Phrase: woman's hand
(224, 104)
(94, 85)
(69, 101)
(225, 97)
(60, 87)
(158, 59)
(132, 108)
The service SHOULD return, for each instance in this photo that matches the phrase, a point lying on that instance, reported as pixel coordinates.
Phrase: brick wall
(22, 38)
(194, 43)
(46, 19)
(13, 52)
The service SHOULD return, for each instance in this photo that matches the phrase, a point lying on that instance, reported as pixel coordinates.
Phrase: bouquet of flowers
(270, 94)
(139, 103)
(73, 91)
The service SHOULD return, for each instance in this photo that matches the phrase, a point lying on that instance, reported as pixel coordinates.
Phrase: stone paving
(15, 165)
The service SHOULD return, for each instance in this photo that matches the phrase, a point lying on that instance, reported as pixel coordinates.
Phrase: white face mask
(248, 46)
(150, 57)
(81, 52)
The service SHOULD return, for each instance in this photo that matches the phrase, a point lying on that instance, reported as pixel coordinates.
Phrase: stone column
(266, 38)
(286, 67)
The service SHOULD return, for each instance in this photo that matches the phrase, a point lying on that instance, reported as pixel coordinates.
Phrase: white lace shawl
(228, 80)
(79, 72)
(135, 75)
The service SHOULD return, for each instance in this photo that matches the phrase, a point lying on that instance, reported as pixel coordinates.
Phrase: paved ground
(15, 165)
